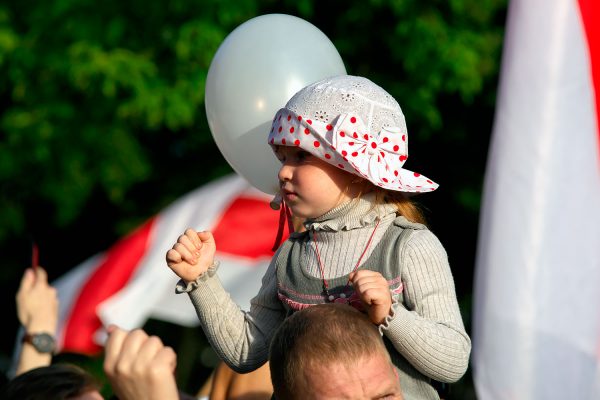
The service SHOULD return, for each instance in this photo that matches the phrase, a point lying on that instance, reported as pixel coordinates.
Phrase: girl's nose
(285, 172)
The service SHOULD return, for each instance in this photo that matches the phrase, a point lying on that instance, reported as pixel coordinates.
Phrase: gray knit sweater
(425, 326)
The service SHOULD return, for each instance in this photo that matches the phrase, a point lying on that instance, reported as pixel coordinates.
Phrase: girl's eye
(302, 155)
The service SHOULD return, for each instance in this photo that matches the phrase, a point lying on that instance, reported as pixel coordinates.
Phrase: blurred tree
(102, 117)
(86, 86)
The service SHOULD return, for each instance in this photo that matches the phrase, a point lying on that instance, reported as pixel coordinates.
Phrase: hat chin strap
(284, 213)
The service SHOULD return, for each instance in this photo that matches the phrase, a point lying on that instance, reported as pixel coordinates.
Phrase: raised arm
(37, 310)
(240, 338)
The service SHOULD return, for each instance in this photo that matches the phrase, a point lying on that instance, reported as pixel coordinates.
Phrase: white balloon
(256, 70)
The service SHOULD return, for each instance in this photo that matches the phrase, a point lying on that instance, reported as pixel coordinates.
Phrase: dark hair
(317, 336)
(54, 382)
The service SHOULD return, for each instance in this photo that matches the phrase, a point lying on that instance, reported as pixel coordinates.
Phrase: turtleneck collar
(356, 213)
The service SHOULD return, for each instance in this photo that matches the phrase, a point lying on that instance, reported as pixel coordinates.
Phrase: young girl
(342, 143)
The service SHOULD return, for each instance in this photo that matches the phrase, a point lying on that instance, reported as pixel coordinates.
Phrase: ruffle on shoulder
(402, 222)
(183, 287)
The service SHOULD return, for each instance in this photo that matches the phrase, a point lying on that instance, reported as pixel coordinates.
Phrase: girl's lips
(289, 195)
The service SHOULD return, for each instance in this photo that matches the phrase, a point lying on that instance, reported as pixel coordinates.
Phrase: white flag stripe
(537, 294)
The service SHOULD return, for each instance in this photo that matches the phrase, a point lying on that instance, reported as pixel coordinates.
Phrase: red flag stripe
(590, 15)
(109, 277)
(246, 228)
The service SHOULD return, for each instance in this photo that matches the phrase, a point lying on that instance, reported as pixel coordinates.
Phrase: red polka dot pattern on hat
(367, 152)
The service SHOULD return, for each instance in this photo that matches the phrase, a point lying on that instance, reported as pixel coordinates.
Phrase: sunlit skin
(310, 186)
(370, 378)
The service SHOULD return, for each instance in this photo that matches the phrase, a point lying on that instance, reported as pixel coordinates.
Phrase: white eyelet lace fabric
(346, 94)
(351, 123)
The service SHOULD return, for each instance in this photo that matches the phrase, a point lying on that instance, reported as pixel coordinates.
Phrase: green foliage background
(102, 118)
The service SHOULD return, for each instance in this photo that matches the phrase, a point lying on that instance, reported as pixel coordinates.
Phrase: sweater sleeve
(240, 338)
(428, 329)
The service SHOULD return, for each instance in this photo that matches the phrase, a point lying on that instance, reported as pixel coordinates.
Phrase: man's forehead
(370, 377)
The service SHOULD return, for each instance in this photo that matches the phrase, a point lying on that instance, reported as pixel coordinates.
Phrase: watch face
(43, 342)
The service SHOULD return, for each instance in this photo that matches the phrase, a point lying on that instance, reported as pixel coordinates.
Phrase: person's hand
(192, 255)
(373, 290)
(139, 367)
(37, 303)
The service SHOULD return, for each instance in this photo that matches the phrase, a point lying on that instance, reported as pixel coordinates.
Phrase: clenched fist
(192, 255)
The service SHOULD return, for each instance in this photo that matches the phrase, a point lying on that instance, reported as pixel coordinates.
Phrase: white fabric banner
(536, 331)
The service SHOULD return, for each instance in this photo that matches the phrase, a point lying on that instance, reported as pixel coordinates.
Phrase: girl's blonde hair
(405, 207)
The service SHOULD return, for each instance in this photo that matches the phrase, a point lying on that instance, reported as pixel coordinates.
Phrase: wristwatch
(43, 342)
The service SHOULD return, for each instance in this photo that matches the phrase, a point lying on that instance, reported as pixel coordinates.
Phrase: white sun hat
(353, 124)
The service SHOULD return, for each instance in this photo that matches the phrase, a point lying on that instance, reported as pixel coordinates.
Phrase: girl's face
(310, 186)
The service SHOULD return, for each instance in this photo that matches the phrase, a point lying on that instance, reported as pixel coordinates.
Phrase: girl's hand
(373, 290)
(192, 255)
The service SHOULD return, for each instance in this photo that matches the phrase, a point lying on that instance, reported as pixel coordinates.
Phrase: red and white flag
(537, 288)
(131, 282)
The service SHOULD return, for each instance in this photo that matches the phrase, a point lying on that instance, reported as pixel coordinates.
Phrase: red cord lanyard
(322, 268)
